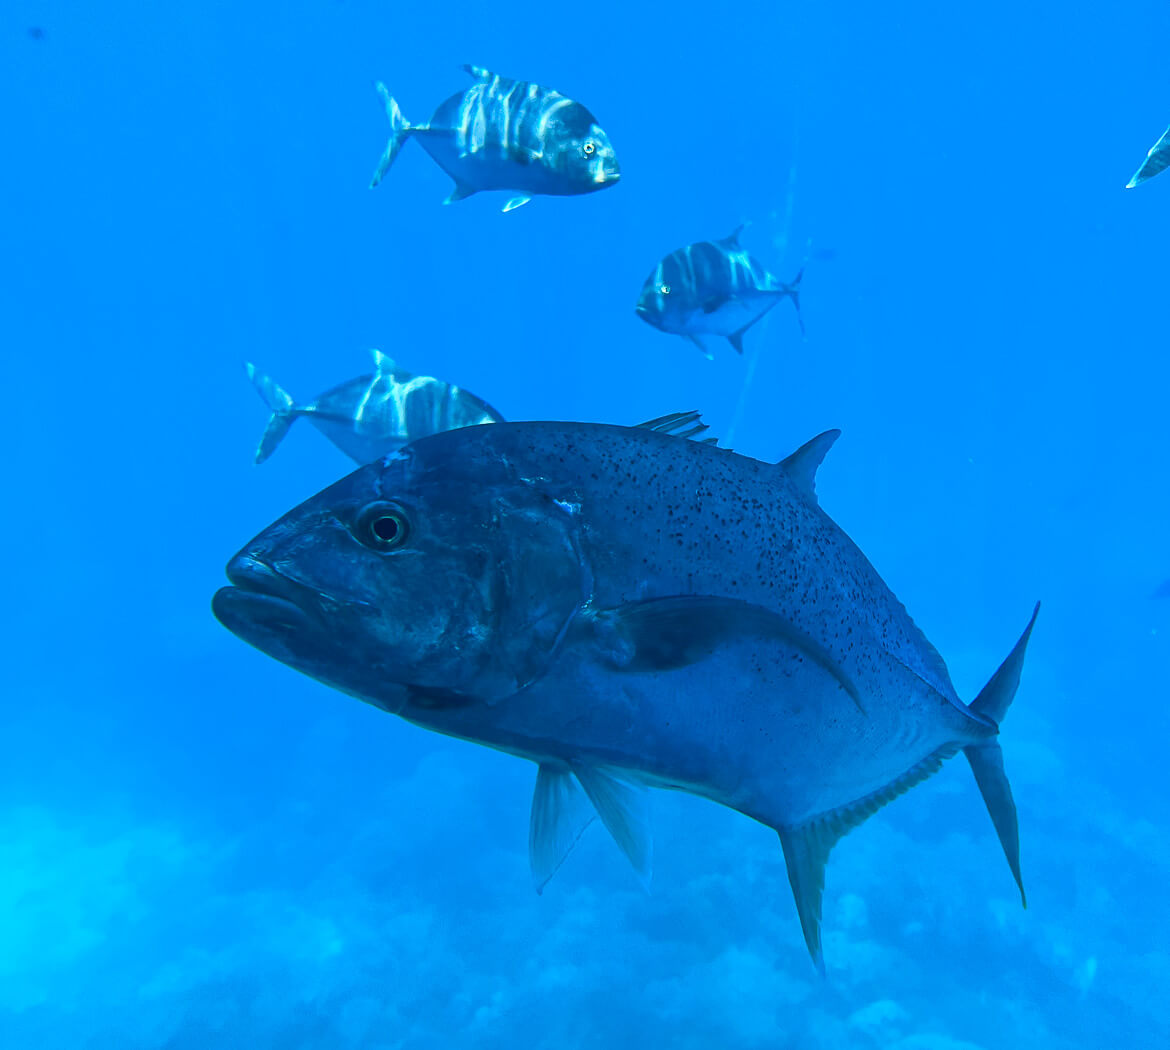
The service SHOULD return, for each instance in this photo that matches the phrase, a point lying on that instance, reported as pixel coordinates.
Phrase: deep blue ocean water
(199, 847)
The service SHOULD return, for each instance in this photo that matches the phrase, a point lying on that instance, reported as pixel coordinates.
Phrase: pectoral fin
(664, 634)
(560, 815)
(702, 349)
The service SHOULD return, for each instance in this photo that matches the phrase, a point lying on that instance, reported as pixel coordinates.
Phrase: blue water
(198, 847)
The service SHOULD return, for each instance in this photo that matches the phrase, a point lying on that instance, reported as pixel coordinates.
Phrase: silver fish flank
(373, 415)
(503, 134)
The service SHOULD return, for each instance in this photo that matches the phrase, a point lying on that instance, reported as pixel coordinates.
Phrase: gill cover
(542, 582)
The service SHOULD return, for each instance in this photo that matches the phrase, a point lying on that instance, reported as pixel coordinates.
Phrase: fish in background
(713, 288)
(373, 415)
(1158, 159)
(503, 134)
(626, 609)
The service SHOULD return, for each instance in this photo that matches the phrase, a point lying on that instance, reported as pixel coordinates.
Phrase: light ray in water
(781, 242)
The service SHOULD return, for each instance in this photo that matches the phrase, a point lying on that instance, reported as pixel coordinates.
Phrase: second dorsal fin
(802, 465)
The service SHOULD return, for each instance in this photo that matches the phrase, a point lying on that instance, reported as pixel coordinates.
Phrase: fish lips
(268, 610)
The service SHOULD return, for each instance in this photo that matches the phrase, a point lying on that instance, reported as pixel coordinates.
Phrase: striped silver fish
(712, 288)
(503, 134)
(373, 415)
(1158, 159)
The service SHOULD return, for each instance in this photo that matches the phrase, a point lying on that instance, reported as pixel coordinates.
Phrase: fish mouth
(262, 602)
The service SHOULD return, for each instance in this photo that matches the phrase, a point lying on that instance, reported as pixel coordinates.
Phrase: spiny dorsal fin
(802, 465)
(682, 424)
(384, 364)
(807, 846)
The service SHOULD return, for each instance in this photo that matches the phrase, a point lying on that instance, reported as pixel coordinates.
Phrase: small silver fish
(712, 288)
(1158, 159)
(373, 415)
(503, 134)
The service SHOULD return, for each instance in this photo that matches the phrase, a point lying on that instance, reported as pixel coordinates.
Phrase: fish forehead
(663, 516)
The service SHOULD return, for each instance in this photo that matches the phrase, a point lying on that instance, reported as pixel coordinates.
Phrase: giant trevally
(373, 415)
(625, 609)
(1157, 159)
(503, 134)
(712, 288)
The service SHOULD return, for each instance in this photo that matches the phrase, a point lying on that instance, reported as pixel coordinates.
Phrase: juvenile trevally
(1157, 159)
(373, 415)
(712, 288)
(503, 134)
(626, 609)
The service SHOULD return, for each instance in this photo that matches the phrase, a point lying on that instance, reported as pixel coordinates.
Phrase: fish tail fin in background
(400, 131)
(284, 411)
(986, 756)
(793, 290)
(1157, 160)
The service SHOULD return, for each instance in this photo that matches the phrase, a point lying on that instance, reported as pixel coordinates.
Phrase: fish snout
(261, 594)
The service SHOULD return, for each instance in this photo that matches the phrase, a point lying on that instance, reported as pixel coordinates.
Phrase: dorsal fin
(682, 424)
(477, 71)
(384, 364)
(802, 465)
(733, 237)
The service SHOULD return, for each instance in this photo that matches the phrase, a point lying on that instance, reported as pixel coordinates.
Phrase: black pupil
(386, 528)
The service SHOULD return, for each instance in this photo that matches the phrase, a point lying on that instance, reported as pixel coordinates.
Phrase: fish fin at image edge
(986, 756)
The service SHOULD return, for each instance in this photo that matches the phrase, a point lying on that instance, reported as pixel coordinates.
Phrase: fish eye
(664, 289)
(382, 526)
(589, 148)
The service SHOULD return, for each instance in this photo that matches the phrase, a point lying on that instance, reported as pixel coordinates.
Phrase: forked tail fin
(986, 757)
(399, 132)
(283, 412)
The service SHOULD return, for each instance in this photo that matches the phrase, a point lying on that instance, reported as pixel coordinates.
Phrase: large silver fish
(712, 288)
(503, 134)
(625, 609)
(1157, 159)
(373, 415)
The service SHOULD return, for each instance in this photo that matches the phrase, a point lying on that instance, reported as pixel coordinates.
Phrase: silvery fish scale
(624, 607)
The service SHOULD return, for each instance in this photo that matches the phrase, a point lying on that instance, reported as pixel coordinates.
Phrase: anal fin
(515, 202)
(807, 846)
(460, 192)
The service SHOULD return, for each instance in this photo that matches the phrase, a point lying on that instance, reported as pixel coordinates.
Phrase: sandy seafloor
(199, 848)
